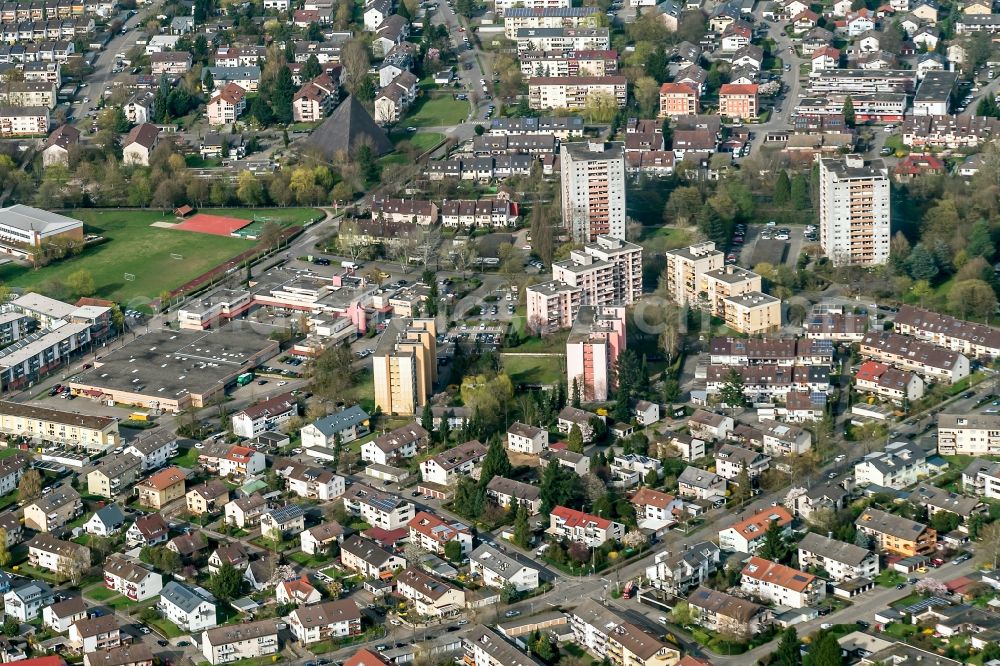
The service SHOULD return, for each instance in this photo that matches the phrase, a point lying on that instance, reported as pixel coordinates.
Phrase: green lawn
(136, 248)
(421, 141)
(166, 627)
(436, 112)
(188, 459)
(534, 369)
(307, 560)
(99, 593)
(198, 162)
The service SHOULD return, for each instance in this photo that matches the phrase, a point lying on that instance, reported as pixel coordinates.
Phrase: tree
(945, 521)
(848, 111)
(920, 264)
(522, 531)
(600, 107)
(426, 417)
(249, 190)
(973, 297)
(732, 393)
(988, 107)
(453, 550)
(226, 582)
(81, 282)
(559, 487)
(681, 614)
(788, 650)
(800, 192)
(470, 498)
(825, 651)
(574, 441)
(647, 96)
(980, 241)
(281, 96)
(311, 68)
(4, 553)
(354, 58)
(30, 486)
(496, 462)
(11, 627)
(652, 479)
(989, 546)
(742, 492)
(774, 546)
(931, 586)
(782, 189)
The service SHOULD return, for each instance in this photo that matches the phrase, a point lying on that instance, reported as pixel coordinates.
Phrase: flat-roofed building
(685, 265)
(405, 363)
(752, 313)
(854, 210)
(592, 350)
(593, 189)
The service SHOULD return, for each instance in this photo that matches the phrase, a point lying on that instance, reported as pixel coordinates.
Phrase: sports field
(159, 259)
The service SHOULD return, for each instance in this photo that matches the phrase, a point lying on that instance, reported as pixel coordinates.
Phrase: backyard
(544, 370)
(153, 259)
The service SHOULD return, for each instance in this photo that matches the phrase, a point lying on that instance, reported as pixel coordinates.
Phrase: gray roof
(27, 218)
(349, 127)
(346, 418)
(181, 596)
(522, 491)
(698, 478)
(366, 550)
(496, 561)
(839, 551)
(110, 515)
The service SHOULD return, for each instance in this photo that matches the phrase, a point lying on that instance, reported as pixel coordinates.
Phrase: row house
(170, 62)
(368, 558)
(565, 62)
(770, 351)
(862, 81)
(887, 382)
(841, 561)
(765, 383)
(330, 620)
(48, 51)
(445, 468)
(419, 211)
(561, 127)
(896, 534)
(482, 169)
(873, 107)
(837, 326)
(238, 56)
(954, 132)
(24, 11)
(780, 585)
(677, 573)
(799, 407)
(965, 337)
(651, 163)
(527, 144)
(573, 92)
(907, 353)
(483, 213)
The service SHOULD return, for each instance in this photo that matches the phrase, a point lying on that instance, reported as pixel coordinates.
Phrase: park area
(443, 111)
(138, 260)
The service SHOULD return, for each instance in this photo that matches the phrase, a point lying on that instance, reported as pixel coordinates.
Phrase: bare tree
(354, 58)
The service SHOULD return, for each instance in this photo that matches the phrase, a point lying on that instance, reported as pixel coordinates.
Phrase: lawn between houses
(148, 253)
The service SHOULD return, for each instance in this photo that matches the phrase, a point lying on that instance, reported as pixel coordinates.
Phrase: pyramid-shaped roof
(347, 128)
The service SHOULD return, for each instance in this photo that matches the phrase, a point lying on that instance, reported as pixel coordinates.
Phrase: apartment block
(684, 268)
(517, 18)
(969, 434)
(854, 210)
(247, 640)
(485, 647)
(593, 189)
(592, 350)
(842, 561)
(896, 534)
(780, 585)
(678, 99)
(738, 101)
(405, 363)
(726, 282)
(608, 270)
(574, 92)
(752, 313)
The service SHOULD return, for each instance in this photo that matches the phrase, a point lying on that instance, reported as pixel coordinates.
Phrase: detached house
(207, 498)
(326, 621)
(700, 484)
(497, 569)
(461, 460)
(234, 554)
(314, 100)
(246, 511)
(186, 608)
(523, 438)
(592, 531)
(678, 572)
(113, 475)
(289, 519)
(106, 521)
(161, 488)
(348, 424)
(378, 509)
(368, 558)
(55, 555)
(842, 561)
(264, 416)
(430, 596)
(139, 144)
(433, 534)
(59, 617)
(896, 534)
(509, 493)
(241, 461)
(721, 612)
(227, 105)
(730, 460)
(298, 591)
(148, 530)
(153, 449)
(746, 536)
(248, 640)
(321, 539)
(54, 510)
(130, 579)
(780, 585)
(27, 601)
(314, 482)
(95, 633)
(398, 444)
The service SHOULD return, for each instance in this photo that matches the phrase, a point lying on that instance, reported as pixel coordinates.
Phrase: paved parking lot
(773, 251)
